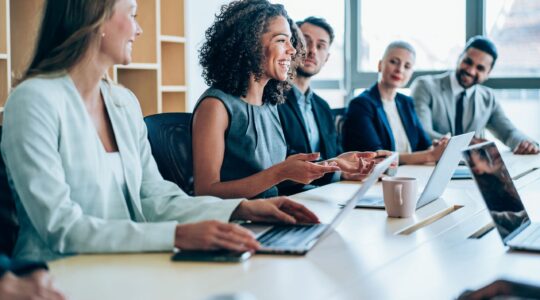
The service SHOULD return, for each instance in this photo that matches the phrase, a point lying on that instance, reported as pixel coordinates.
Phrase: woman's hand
(272, 210)
(299, 168)
(355, 162)
(437, 150)
(358, 165)
(212, 235)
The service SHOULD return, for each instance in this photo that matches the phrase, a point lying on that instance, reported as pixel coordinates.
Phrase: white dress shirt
(401, 140)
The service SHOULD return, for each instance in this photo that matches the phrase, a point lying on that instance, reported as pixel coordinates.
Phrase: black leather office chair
(170, 138)
(9, 224)
(339, 120)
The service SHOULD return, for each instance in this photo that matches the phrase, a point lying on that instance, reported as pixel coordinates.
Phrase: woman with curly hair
(238, 145)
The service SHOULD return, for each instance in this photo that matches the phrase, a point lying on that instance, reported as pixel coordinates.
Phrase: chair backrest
(339, 120)
(170, 139)
(9, 224)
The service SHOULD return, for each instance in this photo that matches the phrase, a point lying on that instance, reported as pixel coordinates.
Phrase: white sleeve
(31, 153)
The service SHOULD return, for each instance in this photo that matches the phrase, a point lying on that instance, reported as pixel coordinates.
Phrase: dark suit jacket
(367, 128)
(9, 224)
(296, 135)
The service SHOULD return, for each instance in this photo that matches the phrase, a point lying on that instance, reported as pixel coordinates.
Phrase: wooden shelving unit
(5, 81)
(173, 56)
(157, 74)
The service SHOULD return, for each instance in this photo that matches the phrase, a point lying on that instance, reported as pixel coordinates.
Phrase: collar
(299, 96)
(457, 88)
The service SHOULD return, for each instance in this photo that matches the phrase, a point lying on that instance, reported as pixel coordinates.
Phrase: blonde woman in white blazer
(78, 160)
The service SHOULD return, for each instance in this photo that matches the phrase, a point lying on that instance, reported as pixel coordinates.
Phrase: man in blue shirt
(306, 118)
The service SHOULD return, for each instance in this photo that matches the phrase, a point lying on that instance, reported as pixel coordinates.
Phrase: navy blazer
(367, 128)
(295, 131)
(297, 138)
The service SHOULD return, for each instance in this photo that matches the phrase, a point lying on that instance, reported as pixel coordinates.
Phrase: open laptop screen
(496, 187)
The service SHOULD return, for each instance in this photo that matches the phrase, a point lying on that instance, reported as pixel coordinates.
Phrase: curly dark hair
(233, 50)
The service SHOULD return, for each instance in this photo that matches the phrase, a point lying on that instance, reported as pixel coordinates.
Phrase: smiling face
(119, 33)
(317, 47)
(396, 67)
(278, 49)
(473, 67)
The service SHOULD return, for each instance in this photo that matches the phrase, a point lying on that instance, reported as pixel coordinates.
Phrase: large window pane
(435, 28)
(335, 98)
(522, 107)
(334, 13)
(514, 26)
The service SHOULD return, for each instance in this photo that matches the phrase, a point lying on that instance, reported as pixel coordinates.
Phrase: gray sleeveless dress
(254, 140)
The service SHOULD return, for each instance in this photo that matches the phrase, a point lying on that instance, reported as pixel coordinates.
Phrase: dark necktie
(459, 114)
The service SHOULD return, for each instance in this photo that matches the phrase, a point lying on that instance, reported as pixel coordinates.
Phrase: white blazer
(67, 200)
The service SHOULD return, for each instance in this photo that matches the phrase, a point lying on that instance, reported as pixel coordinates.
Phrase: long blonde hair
(68, 29)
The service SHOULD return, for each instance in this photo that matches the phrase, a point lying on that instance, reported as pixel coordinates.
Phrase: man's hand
(37, 285)
(506, 288)
(526, 147)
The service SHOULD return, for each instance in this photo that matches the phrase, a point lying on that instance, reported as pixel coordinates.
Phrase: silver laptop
(439, 178)
(502, 199)
(298, 239)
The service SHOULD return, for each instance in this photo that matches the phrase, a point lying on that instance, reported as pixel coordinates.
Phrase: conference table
(445, 248)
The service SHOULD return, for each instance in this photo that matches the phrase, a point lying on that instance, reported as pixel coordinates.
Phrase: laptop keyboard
(281, 236)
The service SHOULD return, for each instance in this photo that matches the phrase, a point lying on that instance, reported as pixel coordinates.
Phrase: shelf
(145, 47)
(174, 102)
(173, 88)
(3, 31)
(172, 39)
(143, 83)
(172, 21)
(156, 75)
(138, 66)
(25, 20)
(172, 64)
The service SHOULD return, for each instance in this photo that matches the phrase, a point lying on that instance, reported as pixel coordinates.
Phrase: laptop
(439, 178)
(501, 197)
(298, 239)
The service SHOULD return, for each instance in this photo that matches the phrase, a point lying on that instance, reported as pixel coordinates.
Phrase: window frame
(353, 79)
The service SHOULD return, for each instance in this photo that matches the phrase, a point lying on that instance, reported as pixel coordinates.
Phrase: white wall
(199, 16)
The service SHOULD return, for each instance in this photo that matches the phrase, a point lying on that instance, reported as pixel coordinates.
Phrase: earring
(103, 34)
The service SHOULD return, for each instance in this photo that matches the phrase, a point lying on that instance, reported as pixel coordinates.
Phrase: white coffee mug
(400, 195)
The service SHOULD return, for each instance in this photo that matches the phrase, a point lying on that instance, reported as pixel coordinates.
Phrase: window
(513, 25)
(436, 29)
(522, 107)
(300, 9)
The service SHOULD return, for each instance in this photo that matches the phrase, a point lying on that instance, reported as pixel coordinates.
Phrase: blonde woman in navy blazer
(383, 119)
(78, 159)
